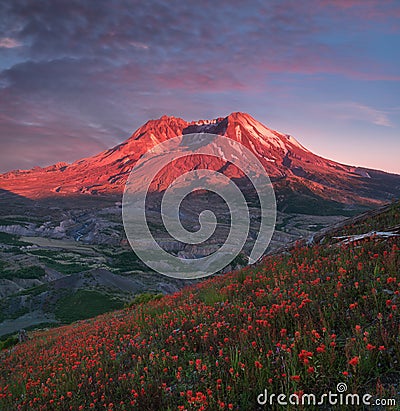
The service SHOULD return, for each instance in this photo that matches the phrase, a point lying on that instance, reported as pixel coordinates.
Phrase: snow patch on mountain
(292, 140)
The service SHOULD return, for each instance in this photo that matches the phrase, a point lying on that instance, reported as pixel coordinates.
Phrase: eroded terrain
(50, 255)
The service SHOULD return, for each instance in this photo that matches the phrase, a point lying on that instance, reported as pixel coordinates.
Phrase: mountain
(61, 229)
(304, 182)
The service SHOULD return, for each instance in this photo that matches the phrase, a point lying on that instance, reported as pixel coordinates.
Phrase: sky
(77, 77)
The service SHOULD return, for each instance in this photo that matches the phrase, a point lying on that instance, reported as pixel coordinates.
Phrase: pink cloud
(356, 111)
(368, 10)
(9, 43)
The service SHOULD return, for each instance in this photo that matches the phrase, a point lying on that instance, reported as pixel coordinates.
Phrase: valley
(305, 319)
(48, 253)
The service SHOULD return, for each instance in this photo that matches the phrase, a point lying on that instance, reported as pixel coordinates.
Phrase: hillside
(298, 322)
(50, 249)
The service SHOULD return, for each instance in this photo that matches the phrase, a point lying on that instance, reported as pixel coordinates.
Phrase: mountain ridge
(293, 169)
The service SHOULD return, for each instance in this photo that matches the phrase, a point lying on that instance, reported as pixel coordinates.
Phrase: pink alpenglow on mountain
(295, 171)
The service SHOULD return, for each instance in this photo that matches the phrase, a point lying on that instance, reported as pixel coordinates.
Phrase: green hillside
(298, 323)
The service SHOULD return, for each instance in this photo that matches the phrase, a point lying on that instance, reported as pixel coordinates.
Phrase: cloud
(287, 36)
(9, 43)
(367, 9)
(33, 142)
(361, 112)
(121, 61)
(139, 45)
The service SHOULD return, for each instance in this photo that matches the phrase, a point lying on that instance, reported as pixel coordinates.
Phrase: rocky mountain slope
(304, 182)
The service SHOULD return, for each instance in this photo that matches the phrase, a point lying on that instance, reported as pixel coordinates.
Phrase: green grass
(125, 262)
(4, 221)
(240, 260)
(25, 272)
(14, 221)
(18, 313)
(314, 205)
(144, 298)
(21, 220)
(211, 295)
(13, 250)
(85, 304)
(11, 239)
(301, 200)
(34, 290)
(382, 222)
(13, 314)
(3, 265)
(46, 253)
(8, 343)
(67, 268)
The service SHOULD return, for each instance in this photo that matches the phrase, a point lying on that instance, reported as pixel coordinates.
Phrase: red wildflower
(354, 361)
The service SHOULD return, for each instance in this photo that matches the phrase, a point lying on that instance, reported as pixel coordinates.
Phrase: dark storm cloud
(97, 69)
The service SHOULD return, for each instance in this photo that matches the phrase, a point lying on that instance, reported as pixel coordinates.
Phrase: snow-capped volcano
(299, 176)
